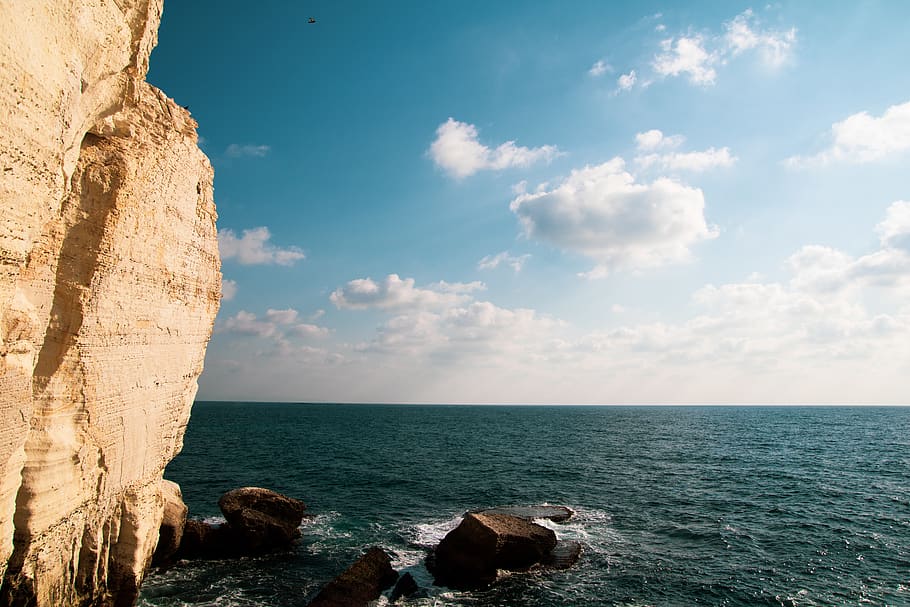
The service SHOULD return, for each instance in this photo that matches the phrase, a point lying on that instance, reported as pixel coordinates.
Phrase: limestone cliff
(109, 284)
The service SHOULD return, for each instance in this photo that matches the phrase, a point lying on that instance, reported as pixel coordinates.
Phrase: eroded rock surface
(109, 285)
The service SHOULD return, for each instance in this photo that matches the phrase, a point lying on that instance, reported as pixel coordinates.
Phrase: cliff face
(109, 285)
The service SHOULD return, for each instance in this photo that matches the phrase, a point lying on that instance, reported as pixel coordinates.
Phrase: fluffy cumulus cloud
(491, 262)
(228, 289)
(458, 151)
(601, 212)
(862, 138)
(686, 56)
(396, 292)
(275, 325)
(836, 328)
(252, 247)
(697, 55)
(236, 150)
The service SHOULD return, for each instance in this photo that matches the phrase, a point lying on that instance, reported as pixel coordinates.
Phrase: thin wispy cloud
(698, 55)
(459, 153)
(236, 150)
(599, 68)
(491, 262)
(396, 292)
(252, 247)
(862, 138)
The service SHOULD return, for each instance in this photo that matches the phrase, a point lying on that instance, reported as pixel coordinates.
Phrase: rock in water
(406, 586)
(565, 554)
(557, 514)
(360, 584)
(264, 519)
(109, 285)
(171, 531)
(470, 554)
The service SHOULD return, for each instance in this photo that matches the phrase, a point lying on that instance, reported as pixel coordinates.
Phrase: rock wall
(109, 285)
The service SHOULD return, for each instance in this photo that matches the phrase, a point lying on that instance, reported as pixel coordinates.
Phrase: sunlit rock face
(109, 285)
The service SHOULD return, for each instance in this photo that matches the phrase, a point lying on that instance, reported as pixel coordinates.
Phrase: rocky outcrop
(359, 584)
(109, 284)
(470, 555)
(173, 521)
(263, 519)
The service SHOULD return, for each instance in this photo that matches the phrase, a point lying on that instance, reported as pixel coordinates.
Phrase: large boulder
(202, 540)
(171, 531)
(359, 584)
(470, 554)
(264, 519)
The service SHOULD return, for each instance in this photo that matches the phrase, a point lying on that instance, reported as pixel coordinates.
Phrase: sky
(544, 202)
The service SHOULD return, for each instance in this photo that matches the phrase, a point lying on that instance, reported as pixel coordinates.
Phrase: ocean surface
(675, 506)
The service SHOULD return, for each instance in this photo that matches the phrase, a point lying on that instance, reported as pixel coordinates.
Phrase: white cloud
(394, 292)
(491, 262)
(862, 138)
(688, 161)
(686, 55)
(236, 150)
(277, 325)
(626, 81)
(246, 323)
(457, 150)
(228, 289)
(599, 68)
(656, 140)
(602, 213)
(253, 248)
(698, 55)
(282, 317)
(895, 229)
(743, 34)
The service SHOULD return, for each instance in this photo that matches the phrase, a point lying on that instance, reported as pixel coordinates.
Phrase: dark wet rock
(406, 586)
(557, 514)
(170, 533)
(360, 583)
(470, 554)
(264, 519)
(565, 554)
(202, 540)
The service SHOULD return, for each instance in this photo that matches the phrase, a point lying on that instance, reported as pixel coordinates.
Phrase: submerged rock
(565, 554)
(170, 533)
(360, 583)
(470, 554)
(264, 520)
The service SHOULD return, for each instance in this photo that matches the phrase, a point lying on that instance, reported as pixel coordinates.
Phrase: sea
(675, 506)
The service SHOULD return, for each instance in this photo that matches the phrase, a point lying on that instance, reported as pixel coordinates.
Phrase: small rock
(470, 554)
(171, 531)
(266, 520)
(406, 586)
(360, 583)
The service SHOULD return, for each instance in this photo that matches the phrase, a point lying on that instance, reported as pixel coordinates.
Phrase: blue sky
(540, 202)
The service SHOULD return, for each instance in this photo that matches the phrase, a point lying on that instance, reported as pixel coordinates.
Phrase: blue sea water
(675, 506)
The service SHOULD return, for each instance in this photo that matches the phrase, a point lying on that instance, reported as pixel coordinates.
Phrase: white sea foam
(428, 535)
